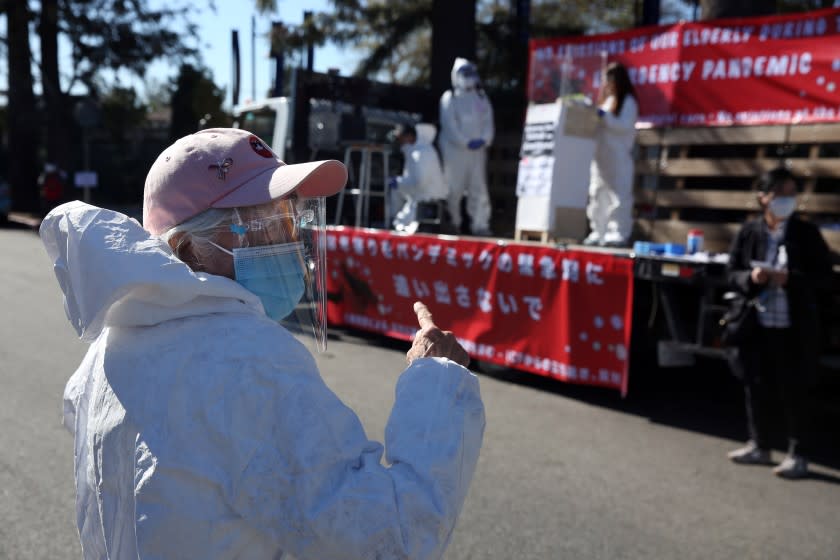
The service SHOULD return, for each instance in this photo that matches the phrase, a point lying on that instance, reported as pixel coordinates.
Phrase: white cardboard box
(553, 177)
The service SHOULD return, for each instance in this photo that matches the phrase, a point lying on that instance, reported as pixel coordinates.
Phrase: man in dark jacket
(784, 263)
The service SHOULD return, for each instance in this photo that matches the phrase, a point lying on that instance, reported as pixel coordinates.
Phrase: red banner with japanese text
(559, 313)
(750, 71)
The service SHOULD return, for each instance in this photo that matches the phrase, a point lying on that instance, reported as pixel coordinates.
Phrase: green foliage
(382, 29)
(550, 18)
(266, 6)
(394, 36)
(122, 34)
(121, 111)
(196, 102)
(783, 6)
(741, 8)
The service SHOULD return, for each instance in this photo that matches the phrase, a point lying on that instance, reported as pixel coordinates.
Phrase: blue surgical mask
(783, 206)
(274, 273)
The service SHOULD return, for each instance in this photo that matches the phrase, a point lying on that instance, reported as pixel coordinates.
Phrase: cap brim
(311, 179)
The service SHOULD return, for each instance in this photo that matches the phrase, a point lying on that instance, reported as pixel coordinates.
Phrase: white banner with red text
(559, 313)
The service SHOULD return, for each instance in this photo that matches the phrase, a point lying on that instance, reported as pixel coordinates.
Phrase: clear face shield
(467, 77)
(279, 254)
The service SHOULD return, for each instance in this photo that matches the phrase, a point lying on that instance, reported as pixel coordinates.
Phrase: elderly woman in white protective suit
(466, 131)
(610, 208)
(422, 178)
(202, 426)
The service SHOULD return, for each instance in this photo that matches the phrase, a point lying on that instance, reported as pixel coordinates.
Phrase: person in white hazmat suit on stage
(610, 208)
(422, 178)
(466, 131)
(202, 426)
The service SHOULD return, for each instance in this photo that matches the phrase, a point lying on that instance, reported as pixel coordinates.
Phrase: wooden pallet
(531, 235)
(702, 178)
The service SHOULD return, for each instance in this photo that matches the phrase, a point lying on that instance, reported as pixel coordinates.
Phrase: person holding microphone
(610, 208)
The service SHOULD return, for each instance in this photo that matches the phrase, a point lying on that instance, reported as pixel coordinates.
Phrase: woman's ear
(182, 247)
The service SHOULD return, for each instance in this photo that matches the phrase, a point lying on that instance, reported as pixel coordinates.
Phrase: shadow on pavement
(704, 398)
(824, 477)
(12, 225)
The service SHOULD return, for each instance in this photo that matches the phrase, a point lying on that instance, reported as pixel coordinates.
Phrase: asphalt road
(565, 472)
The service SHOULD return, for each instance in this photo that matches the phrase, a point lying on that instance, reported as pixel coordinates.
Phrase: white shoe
(750, 454)
(592, 239)
(613, 239)
(793, 466)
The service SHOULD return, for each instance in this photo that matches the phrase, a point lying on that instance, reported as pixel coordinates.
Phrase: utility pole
(277, 52)
(310, 48)
(650, 12)
(235, 71)
(253, 58)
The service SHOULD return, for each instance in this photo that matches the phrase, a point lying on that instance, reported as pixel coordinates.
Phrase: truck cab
(323, 112)
(270, 119)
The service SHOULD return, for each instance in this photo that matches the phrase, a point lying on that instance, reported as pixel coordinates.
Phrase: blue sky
(214, 34)
(214, 28)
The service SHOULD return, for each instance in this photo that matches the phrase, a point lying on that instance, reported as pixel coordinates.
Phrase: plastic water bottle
(694, 242)
(782, 258)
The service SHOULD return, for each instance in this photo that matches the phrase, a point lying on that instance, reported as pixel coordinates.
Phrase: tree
(381, 29)
(196, 102)
(23, 138)
(116, 34)
(714, 9)
(122, 111)
(453, 35)
(58, 137)
(103, 35)
(415, 42)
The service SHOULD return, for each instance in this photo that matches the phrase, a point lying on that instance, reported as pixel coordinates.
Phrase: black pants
(775, 387)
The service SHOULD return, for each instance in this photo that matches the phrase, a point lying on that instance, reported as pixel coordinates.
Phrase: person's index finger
(424, 316)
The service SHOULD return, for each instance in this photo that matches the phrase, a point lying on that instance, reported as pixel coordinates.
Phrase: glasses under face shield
(279, 254)
(468, 71)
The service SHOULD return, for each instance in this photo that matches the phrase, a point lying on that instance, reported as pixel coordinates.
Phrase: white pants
(610, 208)
(466, 173)
(403, 211)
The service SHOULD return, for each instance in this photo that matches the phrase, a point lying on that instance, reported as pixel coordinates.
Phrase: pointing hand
(431, 342)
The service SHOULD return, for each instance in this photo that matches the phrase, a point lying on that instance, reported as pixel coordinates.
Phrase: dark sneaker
(794, 466)
(750, 454)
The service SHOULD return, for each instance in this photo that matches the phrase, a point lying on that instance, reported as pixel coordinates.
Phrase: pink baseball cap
(227, 168)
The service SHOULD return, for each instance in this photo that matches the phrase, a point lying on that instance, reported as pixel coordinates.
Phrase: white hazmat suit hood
(421, 181)
(464, 75)
(114, 273)
(204, 430)
(425, 134)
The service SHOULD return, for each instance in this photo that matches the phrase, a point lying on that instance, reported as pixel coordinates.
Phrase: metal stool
(362, 182)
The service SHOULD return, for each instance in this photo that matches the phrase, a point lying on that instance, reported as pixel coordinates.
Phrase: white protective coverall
(610, 208)
(465, 115)
(421, 180)
(204, 430)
